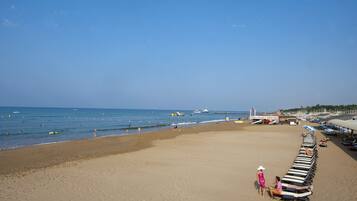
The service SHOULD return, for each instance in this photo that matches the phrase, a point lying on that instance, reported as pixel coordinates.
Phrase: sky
(220, 55)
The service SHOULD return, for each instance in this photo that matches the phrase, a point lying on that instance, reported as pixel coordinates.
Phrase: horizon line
(113, 108)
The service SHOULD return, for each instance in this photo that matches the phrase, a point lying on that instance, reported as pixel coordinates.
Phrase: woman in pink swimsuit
(261, 180)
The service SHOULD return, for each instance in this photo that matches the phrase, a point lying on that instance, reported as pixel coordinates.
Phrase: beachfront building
(262, 119)
(265, 119)
(271, 118)
(274, 119)
(288, 119)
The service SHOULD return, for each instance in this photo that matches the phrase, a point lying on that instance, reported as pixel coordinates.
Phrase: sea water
(24, 126)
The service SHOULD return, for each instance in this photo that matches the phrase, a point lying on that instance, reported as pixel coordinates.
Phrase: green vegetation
(322, 108)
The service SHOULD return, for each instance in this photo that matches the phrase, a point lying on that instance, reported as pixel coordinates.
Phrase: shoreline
(23, 159)
(135, 131)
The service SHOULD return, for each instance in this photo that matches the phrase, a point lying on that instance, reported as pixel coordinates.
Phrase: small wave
(133, 127)
(29, 145)
(145, 126)
(183, 123)
(12, 147)
(109, 129)
(212, 121)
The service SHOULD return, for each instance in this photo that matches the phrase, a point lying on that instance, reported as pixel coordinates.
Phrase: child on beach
(261, 180)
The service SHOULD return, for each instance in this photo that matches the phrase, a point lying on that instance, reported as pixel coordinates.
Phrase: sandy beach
(210, 162)
(336, 175)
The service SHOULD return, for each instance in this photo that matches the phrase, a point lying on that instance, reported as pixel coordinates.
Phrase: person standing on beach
(261, 180)
(95, 133)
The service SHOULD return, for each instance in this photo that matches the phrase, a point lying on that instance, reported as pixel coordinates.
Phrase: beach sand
(211, 162)
(336, 175)
(46, 155)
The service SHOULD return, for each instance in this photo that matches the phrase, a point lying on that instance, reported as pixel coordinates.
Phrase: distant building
(287, 119)
(271, 118)
(264, 119)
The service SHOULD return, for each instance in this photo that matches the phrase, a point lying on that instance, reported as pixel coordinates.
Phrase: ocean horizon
(25, 126)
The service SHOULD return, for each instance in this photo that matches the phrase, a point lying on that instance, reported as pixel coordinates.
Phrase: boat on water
(196, 112)
(54, 132)
(177, 114)
(199, 111)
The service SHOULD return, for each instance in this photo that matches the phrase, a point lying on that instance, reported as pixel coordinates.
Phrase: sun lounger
(295, 177)
(297, 173)
(295, 187)
(296, 170)
(304, 152)
(304, 155)
(305, 158)
(302, 166)
(308, 145)
(296, 181)
(291, 195)
(305, 178)
(302, 148)
(304, 162)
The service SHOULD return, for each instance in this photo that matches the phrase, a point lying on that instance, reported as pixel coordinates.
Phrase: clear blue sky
(224, 55)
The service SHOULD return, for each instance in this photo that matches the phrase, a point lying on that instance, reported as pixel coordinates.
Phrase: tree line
(321, 108)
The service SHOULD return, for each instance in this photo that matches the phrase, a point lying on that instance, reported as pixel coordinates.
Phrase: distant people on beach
(277, 188)
(323, 142)
(95, 133)
(261, 180)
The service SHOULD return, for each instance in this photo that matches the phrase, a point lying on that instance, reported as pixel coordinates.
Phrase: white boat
(205, 110)
(196, 112)
(177, 114)
(54, 132)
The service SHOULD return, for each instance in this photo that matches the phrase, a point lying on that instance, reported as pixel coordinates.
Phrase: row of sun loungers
(297, 183)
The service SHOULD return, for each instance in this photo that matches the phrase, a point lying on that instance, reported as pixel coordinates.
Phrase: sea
(26, 126)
